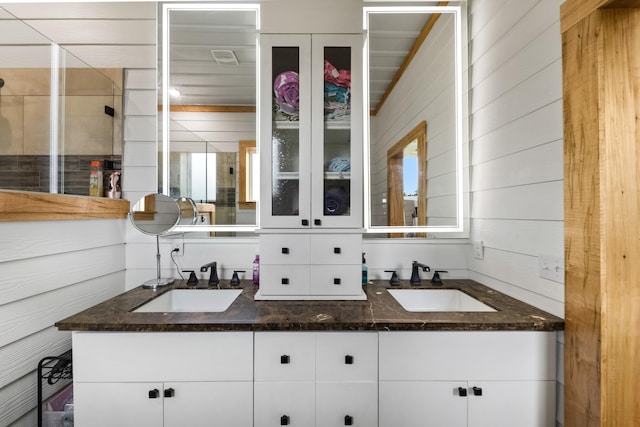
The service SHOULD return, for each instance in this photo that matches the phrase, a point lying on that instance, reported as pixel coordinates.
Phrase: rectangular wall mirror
(207, 74)
(415, 171)
(57, 114)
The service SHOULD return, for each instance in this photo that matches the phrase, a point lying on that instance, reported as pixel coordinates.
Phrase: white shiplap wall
(516, 150)
(49, 270)
(516, 146)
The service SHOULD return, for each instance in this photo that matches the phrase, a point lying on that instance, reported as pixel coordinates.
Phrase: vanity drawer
(336, 280)
(284, 279)
(336, 249)
(141, 356)
(285, 356)
(347, 356)
(285, 249)
(284, 403)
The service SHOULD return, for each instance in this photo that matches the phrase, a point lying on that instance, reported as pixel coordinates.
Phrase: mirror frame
(461, 125)
(166, 105)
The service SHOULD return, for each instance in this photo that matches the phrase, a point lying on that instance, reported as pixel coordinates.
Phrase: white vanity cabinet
(475, 379)
(311, 130)
(163, 379)
(311, 266)
(316, 379)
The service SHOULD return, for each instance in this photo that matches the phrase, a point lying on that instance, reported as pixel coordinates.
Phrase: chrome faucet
(213, 276)
(415, 274)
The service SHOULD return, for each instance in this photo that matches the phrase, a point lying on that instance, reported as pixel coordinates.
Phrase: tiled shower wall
(31, 173)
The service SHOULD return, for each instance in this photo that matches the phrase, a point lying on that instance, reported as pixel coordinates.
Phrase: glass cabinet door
(285, 130)
(311, 131)
(337, 130)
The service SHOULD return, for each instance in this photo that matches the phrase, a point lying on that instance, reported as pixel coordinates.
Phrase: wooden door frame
(395, 192)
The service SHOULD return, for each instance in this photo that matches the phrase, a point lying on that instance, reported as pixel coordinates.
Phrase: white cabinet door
(208, 404)
(117, 404)
(346, 404)
(336, 151)
(423, 404)
(284, 403)
(511, 403)
(285, 131)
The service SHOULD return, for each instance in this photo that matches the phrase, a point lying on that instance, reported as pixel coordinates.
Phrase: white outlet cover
(478, 249)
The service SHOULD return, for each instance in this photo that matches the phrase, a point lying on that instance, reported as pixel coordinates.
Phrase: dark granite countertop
(379, 312)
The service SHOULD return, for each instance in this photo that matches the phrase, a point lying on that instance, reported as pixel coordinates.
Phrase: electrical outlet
(551, 267)
(177, 247)
(478, 249)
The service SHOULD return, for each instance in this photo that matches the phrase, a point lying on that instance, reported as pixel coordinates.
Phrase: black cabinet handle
(285, 251)
(336, 281)
(285, 281)
(285, 359)
(305, 222)
(337, 250)
(284, 420)
(169, 392)
(348, 359)
(477, 391)
(462, 392)
(154, 394)
(348, 420)
(317, 222)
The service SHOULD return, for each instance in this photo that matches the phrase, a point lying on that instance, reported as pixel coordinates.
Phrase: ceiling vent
(225, 57)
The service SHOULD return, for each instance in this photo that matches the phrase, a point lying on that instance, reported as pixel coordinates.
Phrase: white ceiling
(123, 35)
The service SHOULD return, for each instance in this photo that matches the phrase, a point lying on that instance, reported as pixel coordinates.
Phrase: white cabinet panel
(285, 249)
(336, 249)
(336, 280)
(139, 356)
(209, 403)
(512, 403)
(284, 279)
(117, 404)
(473, 355)
(347, 356)
(342, 404)
(422, 404)
(281, 403)
(285, 356)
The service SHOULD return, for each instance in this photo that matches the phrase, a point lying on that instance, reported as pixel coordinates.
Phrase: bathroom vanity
(315, 363)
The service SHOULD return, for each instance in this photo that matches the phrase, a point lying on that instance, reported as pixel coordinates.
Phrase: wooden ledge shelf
(27, 206)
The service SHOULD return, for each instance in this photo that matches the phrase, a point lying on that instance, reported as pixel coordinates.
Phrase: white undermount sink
(424, 300)
(191, 300)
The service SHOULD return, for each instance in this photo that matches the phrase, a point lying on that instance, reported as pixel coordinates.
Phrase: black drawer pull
(462, 392)
(154, 394)
(317, 222)
(348, 420)
(285, 359)
(336, 280)
(337, 250)
(305, 222)
(169, 392)
(477, 391)
(285, 251)
(284, 420)
(285, 281)
(348, 359)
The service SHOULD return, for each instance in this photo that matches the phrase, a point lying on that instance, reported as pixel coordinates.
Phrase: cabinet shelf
(328, 176)
(328, 124)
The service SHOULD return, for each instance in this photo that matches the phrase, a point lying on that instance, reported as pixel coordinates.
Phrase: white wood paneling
(51, 270)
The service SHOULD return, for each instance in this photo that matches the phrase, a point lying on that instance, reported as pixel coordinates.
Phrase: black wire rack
(53, 369)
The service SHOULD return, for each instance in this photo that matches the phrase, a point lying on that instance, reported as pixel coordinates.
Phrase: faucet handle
(436, 280)
(235, 280)
(394, 278)
(193, 279)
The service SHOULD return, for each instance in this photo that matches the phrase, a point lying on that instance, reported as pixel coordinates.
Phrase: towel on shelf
(286, 92)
